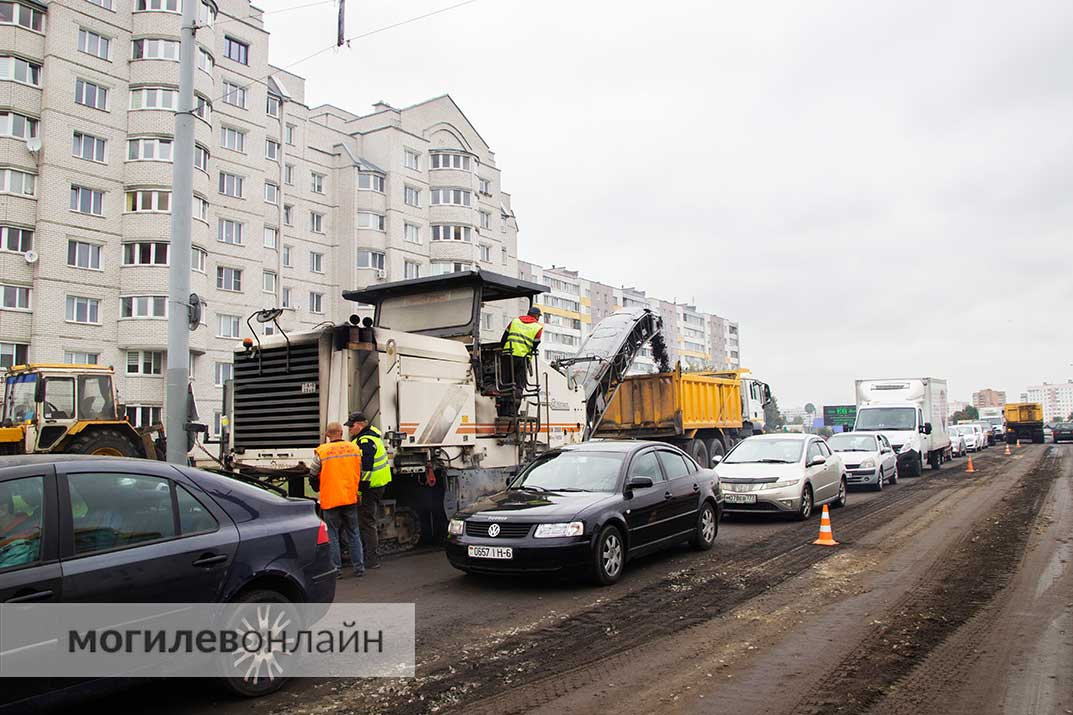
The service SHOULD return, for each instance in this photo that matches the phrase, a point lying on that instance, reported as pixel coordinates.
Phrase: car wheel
(843, 493)
(894, 475)
(805, 511)
(255, 677)
(609, 556)
(707, 527)
(879, 482)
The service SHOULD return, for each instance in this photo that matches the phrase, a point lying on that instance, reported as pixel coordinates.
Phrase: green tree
(825, 431)
(969, 413)
(773, 418)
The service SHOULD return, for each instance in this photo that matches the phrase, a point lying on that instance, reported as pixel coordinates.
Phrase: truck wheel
(103, 442)
(699, 452)
(716, 448)
(936, 461)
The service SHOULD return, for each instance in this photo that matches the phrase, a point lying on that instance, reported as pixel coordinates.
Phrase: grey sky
(872, 189)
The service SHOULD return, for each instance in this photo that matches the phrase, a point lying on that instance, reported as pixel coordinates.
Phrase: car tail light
(322, 534)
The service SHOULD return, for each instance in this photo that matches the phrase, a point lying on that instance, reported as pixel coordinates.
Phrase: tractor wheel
(103, 442)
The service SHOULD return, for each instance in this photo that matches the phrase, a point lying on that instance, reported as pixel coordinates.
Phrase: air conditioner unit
(381, 274)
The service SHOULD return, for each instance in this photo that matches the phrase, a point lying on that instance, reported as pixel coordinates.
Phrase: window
(145, 362)
(158, 6)
(201, 208)
(202, 108)
(205, 61)
(142, 415)
(316, 222)
(486, 252)
(316, 182)
(230, 231)
(197, 259)
(271, 192)
(486, 321)
(13, 181)
(288, 215)
(413, 197)
(674, 464)
(234, 139)
(156, 49)
(451, 197)
(115, 511)
(268, 281)
(227, 326)
(370, 220)
(18, 126)
(442, 160)
(441, 268)
(287, 251)
(411, 270)
(86, 146)
(83, 310)
(23, 534)
(232, 184)
(154, 98)
(81, 254)
(87, 201)
(18, 69)
(151, 150)
(201, 158)
(93, 44)
(486, 219)
(149, 200)
(234, 94)
(316, 262)
(646, 465)
(289, 133)
(371, 259)
(484, 186)
(13, 354)
(229, 279)
(194, 518)
(145, 253)
(143, 306)
(222, 372)
(16, 240)
(14, 297)
(371, 182)
(272, 149)
(206, 14)
(106, 4)
(285, 297)
(272, 104)
(236, 50)
(451, 233)
(271, 237)
(411, 160)
(81, 358)
(91, 95)
(316, 302)
(412, 233)
(16, 14)
(288, 174)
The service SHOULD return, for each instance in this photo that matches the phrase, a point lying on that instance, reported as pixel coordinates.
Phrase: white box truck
(912, 414)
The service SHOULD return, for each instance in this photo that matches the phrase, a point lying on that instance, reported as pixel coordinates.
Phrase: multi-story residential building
(988, 398)
(292, 204)
(955, 406)
(1056, 398)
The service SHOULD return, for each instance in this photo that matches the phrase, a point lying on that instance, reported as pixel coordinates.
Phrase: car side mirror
(927, 428)
(716, 459)
(817, 460)
(640, 483)
(39, 390)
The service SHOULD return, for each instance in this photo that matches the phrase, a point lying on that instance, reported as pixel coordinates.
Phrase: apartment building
(1056, 398)
(988, 398)
(292, 203)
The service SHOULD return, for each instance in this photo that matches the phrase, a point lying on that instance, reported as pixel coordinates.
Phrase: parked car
(971, 436)
(1048, 431)
(782, 473)
(957, 442)
(105, 529)
(589, 509)
(1063, 431)
(868, 458)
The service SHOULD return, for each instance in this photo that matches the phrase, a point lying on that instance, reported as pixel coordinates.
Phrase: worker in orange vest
(336, 473)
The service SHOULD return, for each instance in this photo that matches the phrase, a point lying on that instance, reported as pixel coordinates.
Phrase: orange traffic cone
(970, 469)
(826, 536)
(1018, 443)
(1007, 452)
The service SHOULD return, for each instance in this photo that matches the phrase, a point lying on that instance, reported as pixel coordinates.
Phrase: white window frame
(143, 307)
(91, 42)
(371, 221)
(449, 196)
(30, 125)
(316, 303)
(233, 185)
(201, 208)
(411, 270)
(154, 358)
(24, 180)
(465, 233)
(81, 357)
(233, 139)
(287, 257)
(455, 160)
(237, 230)
(154, 99)
(96, 200)
(154, 48)
(271, 99)
(271, 193)
(485, 252)
(316, 262)
(316, 182)
(23, 297)
(236, 50)
(221, 372)
(234, 321)
(147, 201)
(198, 258)
(412, 196)
(411, 233)
(235, 94)
(16, 239)
(229, 279)
(156, 252)
(316, 222)
(272, 149)
(373, 260)
(16, 69)
(100, 94)
(288, 174)
(371, 180)
(92, 309)
(411, 159)
(88, 259)
(271, 237)
(140, 146)
(269, 281)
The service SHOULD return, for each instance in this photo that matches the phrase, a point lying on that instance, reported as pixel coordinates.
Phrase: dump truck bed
(672, 404)
(1023, 413)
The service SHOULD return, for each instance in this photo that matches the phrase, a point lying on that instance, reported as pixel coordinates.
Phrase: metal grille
(507, 530)
(275, 408)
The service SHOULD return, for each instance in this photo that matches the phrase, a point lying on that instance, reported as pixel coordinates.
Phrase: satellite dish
(31, 257)
(33, 144)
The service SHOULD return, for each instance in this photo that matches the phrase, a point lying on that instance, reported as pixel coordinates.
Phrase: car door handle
(210, 559)
(35, 596)
(667, 495)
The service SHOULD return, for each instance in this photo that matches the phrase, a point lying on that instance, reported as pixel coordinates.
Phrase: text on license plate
(740, 498)
(491, 552)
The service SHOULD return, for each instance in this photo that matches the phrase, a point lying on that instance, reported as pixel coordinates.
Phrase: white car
(868, 458)
(957, 443)
(971, 436)
(781, 473)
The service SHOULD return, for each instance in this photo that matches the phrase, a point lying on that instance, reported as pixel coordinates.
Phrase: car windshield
(965, 429)
(573, 471)
(852, 443)
(779, 451)
(886, 418)
(19, 397)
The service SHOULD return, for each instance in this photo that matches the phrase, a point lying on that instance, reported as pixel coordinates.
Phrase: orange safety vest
(340, 474)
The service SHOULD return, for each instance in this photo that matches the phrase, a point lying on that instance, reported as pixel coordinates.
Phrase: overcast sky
(873, 189)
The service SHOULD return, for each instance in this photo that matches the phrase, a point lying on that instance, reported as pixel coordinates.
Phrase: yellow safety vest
(521, 338)
(380, 474)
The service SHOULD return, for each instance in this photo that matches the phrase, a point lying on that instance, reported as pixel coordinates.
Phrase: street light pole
(182, 197)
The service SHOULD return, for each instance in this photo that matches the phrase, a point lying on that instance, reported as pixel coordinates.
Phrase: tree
(825, 432)
(773, 419)
(970, 413)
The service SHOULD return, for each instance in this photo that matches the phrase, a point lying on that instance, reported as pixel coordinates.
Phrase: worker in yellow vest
(336, 474)
(520, 341)
(375, 476)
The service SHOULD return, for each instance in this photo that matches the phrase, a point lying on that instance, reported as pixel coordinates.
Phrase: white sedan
(971, 437)
(869, 458)
(957, 443)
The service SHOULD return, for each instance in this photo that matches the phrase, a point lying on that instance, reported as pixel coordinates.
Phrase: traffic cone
(1018, 443)
(826, 537)
(970, 469)
(1007, 452)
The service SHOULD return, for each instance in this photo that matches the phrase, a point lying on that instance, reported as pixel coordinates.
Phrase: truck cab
(904, 427)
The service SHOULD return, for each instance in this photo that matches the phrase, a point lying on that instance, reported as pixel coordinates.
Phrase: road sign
(845, 415)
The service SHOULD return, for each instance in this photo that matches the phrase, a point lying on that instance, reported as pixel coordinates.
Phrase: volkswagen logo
(493, 530)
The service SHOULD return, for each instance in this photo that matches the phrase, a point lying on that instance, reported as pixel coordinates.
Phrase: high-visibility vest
(340, 473)
(521, 338)
(380, 474)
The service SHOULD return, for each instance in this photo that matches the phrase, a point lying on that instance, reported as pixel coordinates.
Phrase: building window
(441, 160)
(371, 259)
(142, 415)
(227, 326)
(206, 14)
(271, 150)
(316, 262)
(19, 70)
(81, 254)
(89, 42)
(236, 50)
(150, 150)
(286, 258)
(288, 174)
(12, 354)
(154, 98)
(316, 182)
(106, 4)
(451, 197)
(143, 306)
(158, 6)
(289, 133)
(486, 219)
(16, 240)
(411, 160)
(197, 259)
(371, 182)
(155, 49)
(288, 215)
(201, 158)
(316, 303)
(272, 104)
(268, 281)
(83, 310)
(484, 186)
(87, 201)
(271, 237)
(503, 252)
(234, 139)
(202, 108)
(232, 184)
(24, 15)
(444, 268)
(271, 192)
(411, 270)
(201, 208)
(145, 362)
(230, 231)
(222, 372)
(13, 181)
(229, 279)
(316, 222)
(413, 197)
(285, 297)
(149, 200)
(412, 233)
(17, 126)
(447, 232)
(234, 94)
(79, 357)
(486, 252)
(205, 61)
(145, 253)
(370, 220)
(14, 297)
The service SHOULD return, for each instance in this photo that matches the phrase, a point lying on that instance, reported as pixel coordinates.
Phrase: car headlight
(551, 531)
(868, 463)
(455, 527)
(780, 484)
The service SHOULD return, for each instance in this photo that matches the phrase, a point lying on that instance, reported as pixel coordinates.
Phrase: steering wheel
(51, 412)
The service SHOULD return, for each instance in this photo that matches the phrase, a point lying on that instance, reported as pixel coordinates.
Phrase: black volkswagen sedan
(588, 509)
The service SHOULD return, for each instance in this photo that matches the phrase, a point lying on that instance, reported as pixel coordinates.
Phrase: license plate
(740, 498)
(491, 552)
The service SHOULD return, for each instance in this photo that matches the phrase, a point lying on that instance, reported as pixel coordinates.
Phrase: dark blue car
(102, 529)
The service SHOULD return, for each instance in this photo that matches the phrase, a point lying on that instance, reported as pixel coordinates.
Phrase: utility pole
(182, 197)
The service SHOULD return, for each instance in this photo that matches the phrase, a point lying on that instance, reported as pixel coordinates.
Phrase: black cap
(534, 311)
(354, 418)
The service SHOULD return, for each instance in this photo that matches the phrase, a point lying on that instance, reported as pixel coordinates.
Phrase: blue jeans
(345, 519)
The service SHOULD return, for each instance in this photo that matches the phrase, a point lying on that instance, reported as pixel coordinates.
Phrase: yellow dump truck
(1024, 420)
(703, 413)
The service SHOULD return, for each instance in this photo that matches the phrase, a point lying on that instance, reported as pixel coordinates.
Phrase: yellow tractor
(69, 409)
